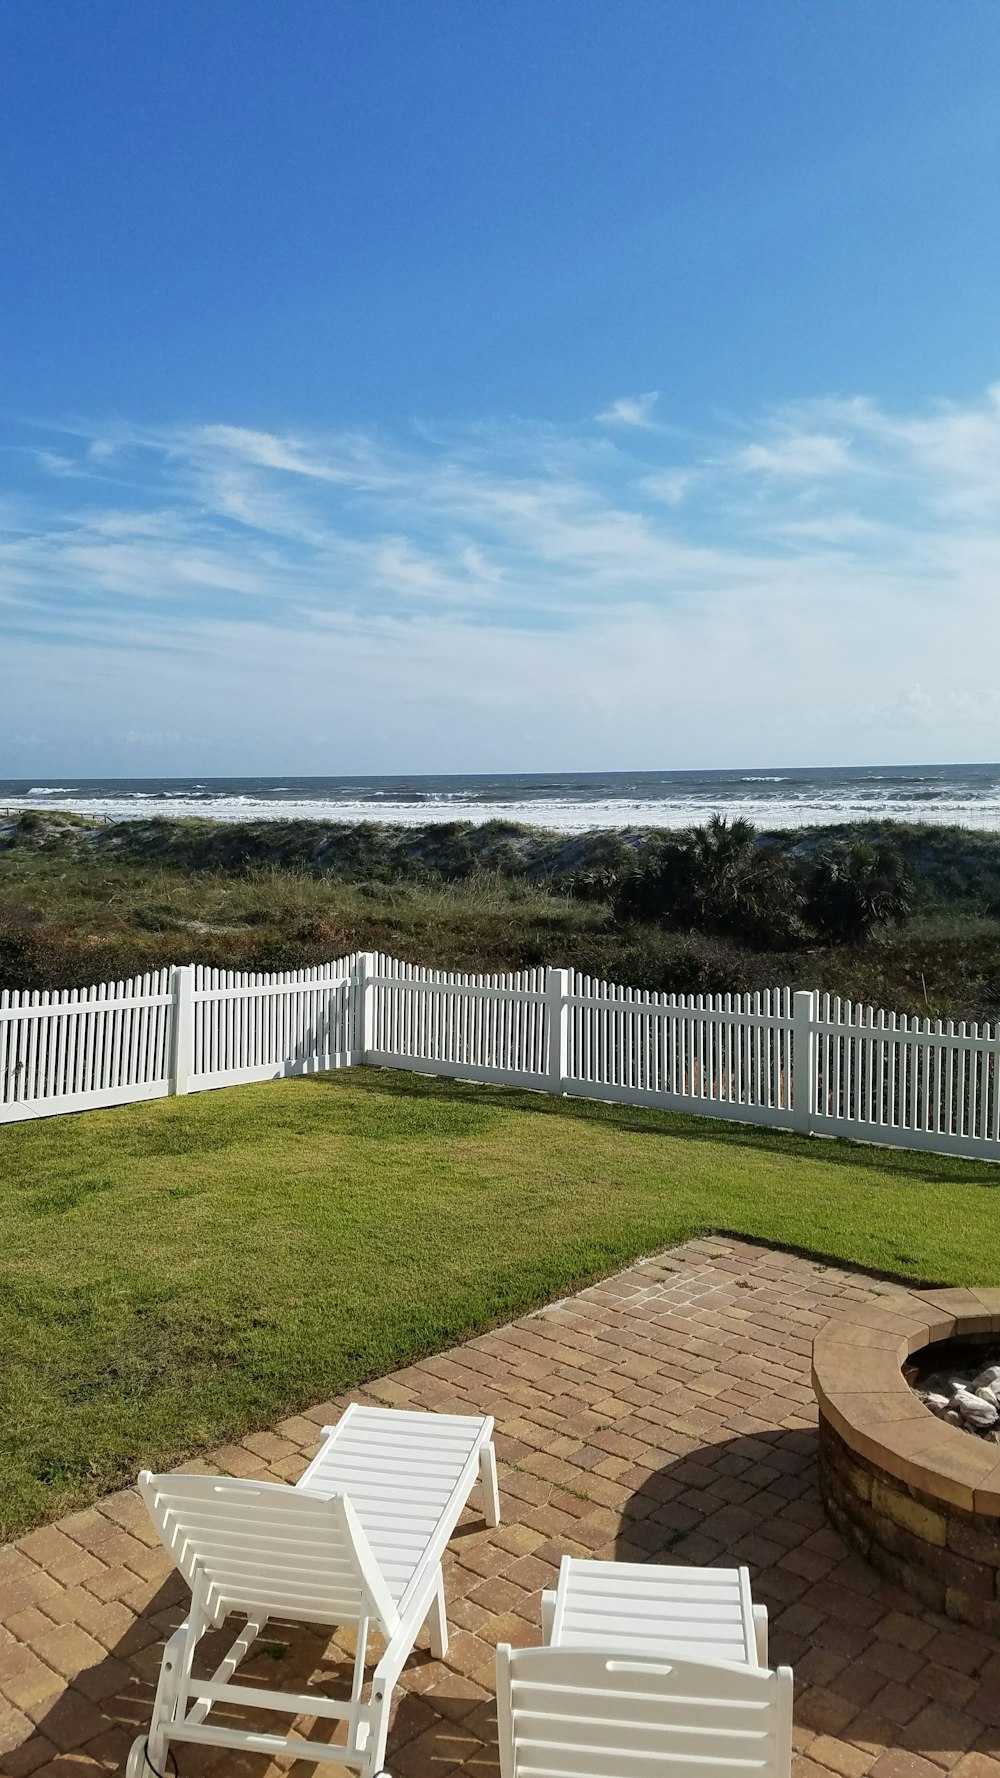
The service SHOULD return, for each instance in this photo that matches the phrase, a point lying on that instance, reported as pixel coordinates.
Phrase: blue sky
(526, 384)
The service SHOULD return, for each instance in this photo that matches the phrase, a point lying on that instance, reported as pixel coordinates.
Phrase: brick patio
(664, 1414)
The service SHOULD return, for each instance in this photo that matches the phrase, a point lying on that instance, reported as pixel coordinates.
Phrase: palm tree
(720, 879)
(744, 888)
(856, 887)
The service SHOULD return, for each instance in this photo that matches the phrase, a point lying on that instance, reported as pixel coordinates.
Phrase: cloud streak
(631, 410)
(517, 594)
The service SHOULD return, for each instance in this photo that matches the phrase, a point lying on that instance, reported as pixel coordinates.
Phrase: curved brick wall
(947, 1557)
(919, 1499)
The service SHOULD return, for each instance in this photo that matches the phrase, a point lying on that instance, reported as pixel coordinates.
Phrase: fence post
(557, 1020)
(182, 1047)
(364, 1000)
(804, 1083)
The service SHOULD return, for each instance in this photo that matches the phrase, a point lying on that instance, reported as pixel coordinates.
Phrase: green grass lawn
(176, 1273)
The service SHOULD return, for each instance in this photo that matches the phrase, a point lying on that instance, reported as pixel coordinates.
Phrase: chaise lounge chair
(577, 1713)
(668, 1610)
(358, 1541)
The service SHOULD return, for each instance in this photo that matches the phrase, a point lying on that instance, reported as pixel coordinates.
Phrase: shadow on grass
(678, 1125)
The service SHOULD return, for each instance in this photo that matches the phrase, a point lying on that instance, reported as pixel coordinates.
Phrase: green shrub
(717, 879)
(854, 888)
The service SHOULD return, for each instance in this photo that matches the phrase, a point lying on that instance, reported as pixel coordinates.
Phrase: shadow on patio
(663, 1414)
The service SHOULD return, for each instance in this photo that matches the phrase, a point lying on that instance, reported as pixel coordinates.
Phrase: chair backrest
(577, 1713)
(264, 1548)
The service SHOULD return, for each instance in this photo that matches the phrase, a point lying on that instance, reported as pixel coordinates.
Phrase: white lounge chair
(656, 1608)
(577, 1713)
(358, 1541)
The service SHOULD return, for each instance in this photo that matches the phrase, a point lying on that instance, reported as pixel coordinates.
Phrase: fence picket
(914, 1082)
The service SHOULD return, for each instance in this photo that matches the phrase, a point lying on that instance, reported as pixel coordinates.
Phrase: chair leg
(375, 1761)
(548, 1615)
(488, 1478)
(174, 1670)
(760, 1633)
(360, 1654)
(438, 1622)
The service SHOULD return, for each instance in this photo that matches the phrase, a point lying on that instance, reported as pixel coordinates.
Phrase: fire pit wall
(918, 1498)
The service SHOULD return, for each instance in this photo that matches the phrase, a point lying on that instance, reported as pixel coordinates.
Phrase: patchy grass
(176, 1273)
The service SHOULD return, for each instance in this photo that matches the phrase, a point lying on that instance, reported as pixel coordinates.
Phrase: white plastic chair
(656, 1608)
(576, 1713)
(358, 1541)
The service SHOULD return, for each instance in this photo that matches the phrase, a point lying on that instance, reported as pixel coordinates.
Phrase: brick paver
(665, 1414)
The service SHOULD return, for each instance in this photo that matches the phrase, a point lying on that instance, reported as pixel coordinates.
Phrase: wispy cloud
(798, 455)
(509, 594)
(670, 485)
(631, 410)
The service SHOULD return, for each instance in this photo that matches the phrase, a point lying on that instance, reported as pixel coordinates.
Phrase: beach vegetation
(717, 879)
(854, 888)
(720, 910)
(725, 878)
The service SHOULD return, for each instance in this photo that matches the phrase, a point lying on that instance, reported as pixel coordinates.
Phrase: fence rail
(800, 1061)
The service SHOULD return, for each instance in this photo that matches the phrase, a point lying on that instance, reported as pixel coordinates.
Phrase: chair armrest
(760, 1633)
(404, 1636)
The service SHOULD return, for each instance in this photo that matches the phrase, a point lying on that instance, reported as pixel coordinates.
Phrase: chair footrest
(256, 1698)
(207, 1734)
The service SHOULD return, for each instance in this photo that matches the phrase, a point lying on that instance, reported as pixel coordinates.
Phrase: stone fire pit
(918, 1497)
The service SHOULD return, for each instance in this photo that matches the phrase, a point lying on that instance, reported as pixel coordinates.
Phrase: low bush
(854, 888)
(717, 879)
(725, 878)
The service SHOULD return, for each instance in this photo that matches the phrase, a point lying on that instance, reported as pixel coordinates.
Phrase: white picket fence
(798, 1061)
(177, 1031)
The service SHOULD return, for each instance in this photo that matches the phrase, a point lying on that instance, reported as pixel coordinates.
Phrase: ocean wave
(569, 803)
(564, 817)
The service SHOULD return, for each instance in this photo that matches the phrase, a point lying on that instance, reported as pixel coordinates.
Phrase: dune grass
(164, 892)
(178, 1272)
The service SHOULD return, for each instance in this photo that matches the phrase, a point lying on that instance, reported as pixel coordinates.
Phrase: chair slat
(200, 1520)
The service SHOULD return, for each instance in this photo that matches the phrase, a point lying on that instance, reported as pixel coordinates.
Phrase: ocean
(569, 802)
